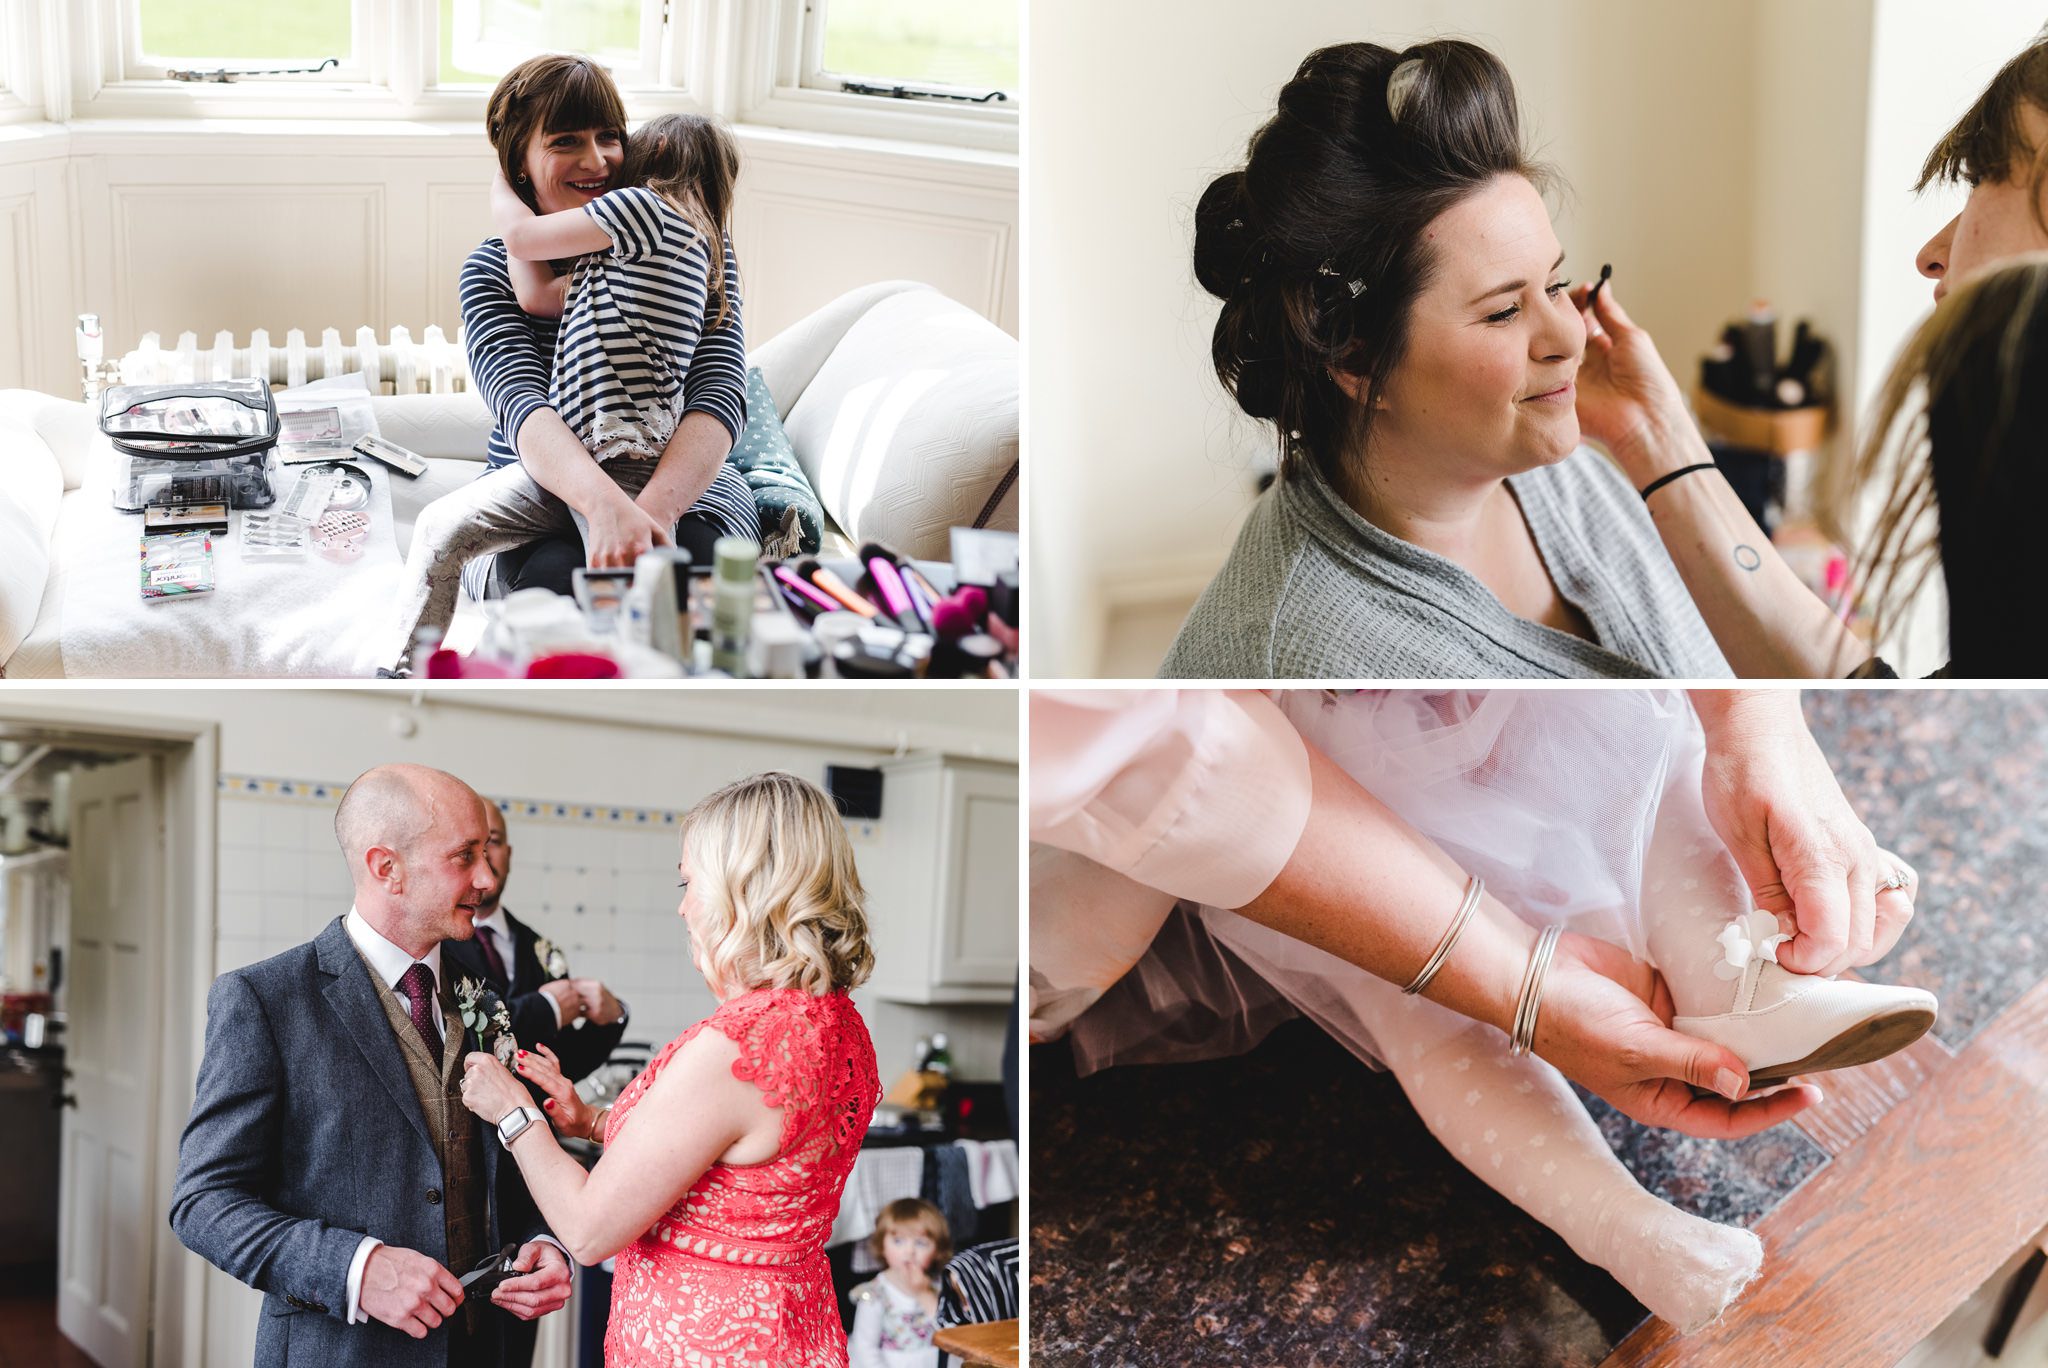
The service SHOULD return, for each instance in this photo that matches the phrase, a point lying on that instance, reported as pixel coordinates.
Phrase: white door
(110, 1211)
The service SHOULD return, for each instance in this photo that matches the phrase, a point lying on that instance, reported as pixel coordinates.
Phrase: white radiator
(398, 365)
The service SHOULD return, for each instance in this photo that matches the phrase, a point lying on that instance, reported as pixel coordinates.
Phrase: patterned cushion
(980, 1285)
(765, 457)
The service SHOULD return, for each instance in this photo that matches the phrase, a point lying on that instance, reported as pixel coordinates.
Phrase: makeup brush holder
(1779, 432)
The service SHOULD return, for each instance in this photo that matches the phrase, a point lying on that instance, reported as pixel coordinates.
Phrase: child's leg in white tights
(492, 513)
(1516, 1124)
(1691, 890)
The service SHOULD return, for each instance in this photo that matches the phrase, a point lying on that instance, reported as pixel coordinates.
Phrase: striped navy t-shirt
(510, 352)
(633, 322)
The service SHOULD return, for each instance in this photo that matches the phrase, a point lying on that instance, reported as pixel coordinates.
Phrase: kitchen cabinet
(942, 881)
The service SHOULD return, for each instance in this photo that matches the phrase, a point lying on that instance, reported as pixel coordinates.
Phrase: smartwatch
(514, 1123)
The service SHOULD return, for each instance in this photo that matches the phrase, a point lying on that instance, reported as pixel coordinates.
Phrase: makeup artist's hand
(1775, 803)
(1627, 396)
(1606, 1025)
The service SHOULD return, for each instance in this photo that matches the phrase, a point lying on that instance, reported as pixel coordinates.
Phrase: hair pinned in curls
(781, 904)
(1316, 246)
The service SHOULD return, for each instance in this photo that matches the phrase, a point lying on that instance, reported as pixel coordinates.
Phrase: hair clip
(1400, 85)
(1355, 285)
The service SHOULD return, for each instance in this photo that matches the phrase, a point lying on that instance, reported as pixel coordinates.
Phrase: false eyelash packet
(177, 565)
(274, 537)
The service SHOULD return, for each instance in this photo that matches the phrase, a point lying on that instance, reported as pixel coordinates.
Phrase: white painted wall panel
(241, 226)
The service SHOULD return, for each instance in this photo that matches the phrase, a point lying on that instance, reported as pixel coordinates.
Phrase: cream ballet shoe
(1782, 1024)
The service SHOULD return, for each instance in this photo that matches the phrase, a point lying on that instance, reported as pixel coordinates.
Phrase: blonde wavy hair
(779, 902)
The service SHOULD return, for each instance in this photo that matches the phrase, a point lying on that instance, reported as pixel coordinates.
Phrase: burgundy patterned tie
(417, 983)
(487, 943)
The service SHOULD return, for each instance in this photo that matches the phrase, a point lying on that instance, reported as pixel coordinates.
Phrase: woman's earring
(521, 178)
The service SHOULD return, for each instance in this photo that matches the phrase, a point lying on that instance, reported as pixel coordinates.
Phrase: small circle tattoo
(1747, 558)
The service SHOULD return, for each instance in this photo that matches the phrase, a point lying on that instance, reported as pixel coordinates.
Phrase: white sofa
(901, 405)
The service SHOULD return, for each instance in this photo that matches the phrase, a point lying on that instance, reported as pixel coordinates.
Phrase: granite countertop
(1287, 1207)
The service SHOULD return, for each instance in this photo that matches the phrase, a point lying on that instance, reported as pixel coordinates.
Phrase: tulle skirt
(1550, 796)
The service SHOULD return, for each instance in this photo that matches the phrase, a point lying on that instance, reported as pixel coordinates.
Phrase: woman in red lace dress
(723, 1162)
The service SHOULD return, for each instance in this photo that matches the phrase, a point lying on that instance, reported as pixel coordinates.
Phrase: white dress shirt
(389, 963)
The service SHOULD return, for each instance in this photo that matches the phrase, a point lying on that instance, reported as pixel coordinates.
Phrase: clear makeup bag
(203, 442)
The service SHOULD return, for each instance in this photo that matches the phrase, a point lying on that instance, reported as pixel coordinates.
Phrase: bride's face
(1493, 341)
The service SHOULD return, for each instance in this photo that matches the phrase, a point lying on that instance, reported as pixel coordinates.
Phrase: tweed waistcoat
(465, 1211)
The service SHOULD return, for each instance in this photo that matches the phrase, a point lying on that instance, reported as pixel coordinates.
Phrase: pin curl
(1401, 85)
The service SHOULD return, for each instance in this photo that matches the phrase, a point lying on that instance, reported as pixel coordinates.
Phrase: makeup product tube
(839, 589)
(732, 611)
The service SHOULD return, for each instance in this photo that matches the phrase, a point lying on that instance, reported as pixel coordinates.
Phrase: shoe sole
(1863, 1043)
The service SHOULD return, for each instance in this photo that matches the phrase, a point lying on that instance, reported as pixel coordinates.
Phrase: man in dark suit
(545, 1004)
(505, 953)
(329, 1161)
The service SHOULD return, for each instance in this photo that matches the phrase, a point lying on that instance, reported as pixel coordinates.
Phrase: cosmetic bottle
(1758, 350)
(732, 607)
(657, 606)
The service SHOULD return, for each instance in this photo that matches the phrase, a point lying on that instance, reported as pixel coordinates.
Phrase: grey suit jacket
(305, 1136)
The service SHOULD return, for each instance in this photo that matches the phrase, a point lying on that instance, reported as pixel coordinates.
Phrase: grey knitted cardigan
(1313, 591)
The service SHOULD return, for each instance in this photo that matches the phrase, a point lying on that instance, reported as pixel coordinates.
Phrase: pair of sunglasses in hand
(492, 1270)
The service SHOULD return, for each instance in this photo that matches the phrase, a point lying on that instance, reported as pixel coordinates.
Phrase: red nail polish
(549, 1104)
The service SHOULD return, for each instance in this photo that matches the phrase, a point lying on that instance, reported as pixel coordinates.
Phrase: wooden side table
(993, 1344)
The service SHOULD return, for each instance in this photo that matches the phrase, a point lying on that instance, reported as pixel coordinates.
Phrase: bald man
(329, 1162)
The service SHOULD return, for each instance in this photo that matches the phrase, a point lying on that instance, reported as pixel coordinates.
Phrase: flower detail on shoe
(1752, 936)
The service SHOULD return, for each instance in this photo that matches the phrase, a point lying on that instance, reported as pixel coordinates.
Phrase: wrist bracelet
(1523, 1039)
(597, 1123)
(1474, 886)
(1653, 486)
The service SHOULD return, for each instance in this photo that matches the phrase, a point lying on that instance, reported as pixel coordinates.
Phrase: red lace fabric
(735, 1273)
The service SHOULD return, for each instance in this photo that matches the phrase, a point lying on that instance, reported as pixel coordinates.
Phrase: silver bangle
(1530, 1004)
(1474, 886)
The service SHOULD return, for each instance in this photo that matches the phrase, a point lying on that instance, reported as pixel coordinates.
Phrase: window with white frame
(249, 37)
(483, 39)
(939, 71)
(18, 76)
(934, 71)
(953, 50)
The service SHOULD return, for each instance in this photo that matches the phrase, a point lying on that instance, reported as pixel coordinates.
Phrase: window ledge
(422, 137)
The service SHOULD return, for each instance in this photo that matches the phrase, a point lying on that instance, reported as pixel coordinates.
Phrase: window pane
(483, 39)
(970, 43)
(267, 30)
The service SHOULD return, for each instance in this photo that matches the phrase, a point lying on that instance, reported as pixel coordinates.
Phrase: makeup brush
(1605, 271)
(959, 613)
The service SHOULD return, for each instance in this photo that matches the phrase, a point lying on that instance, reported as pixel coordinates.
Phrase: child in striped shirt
(653, 271)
